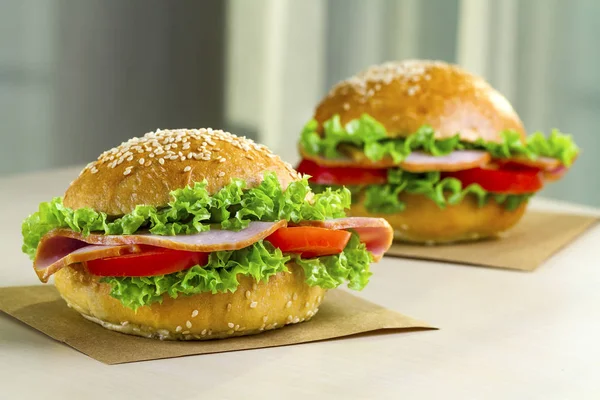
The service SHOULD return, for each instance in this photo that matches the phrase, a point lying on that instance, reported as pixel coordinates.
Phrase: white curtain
(284, 55)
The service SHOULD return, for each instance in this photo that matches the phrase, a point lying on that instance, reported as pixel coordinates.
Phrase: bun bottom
(253, 308)
(424, 222)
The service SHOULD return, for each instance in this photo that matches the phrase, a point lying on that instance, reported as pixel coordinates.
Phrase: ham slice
(59, 252)
(459, 160)
(543, 163)
(61, 247)
(376, 233)
(416, 162)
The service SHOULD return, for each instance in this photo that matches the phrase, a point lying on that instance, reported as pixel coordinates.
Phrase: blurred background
(80, 76)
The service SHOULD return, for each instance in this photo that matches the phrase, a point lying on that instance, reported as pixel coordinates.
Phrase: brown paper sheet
(341, 314)
(537, 237)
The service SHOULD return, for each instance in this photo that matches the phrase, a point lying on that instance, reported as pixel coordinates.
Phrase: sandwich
(198, 234)
(435, 150)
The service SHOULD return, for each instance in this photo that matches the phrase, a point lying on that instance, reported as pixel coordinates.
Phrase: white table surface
(504, 334)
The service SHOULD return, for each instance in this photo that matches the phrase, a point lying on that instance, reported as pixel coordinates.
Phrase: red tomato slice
(505, 181)
(342, 175)
(151, 261)
(309, 241)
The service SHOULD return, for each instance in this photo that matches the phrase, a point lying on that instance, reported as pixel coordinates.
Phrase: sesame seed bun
(145, 170)
(253, 308)
(423, 221)
(405, 95)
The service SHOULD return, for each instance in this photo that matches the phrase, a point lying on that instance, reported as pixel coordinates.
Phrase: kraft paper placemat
(537, 237)
(341, 314)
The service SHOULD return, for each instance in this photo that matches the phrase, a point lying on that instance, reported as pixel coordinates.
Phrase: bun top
(145, 170)
(405, 95)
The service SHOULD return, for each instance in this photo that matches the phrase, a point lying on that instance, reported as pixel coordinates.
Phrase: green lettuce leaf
(384, 199)
(351, 265)
(192, 210)
(219, 275)
(259, 261)
(371, 137)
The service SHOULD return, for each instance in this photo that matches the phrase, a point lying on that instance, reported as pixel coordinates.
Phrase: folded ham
(376, 233)
(416, 162)
(62, 247)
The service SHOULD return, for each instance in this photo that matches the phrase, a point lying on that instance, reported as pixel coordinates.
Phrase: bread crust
(145, 170)
(253, 308)
(423, 221)
(405, 95)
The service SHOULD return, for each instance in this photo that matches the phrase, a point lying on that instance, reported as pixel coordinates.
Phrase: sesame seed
(318, 299)
(248, 294)
(412, 90)
(237, 328)
(229, 307)
(254, 286)
(222, 160)
(125, 323)
(230, 332)
(178, 329)
(221, 174)
(127, 171)
(203, 333)
(194, 313)
(296, 320)
(295, 296)
(188, 324)
(230, 324)
(290, 318)
(161, 161)
(274, 324)
(142, 161)
(187, 169)
(253, 304)
(265, 318)
(185, 332)
(288, 304)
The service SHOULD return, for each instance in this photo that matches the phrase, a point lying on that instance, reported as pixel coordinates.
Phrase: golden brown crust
(423, 221)
(145, 170)
(252, 308)
(405, 95)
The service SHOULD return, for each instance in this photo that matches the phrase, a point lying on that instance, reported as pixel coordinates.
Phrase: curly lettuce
(351, 266)
(259, 261)
(372, 138)
(193, 210)
(385, 199)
